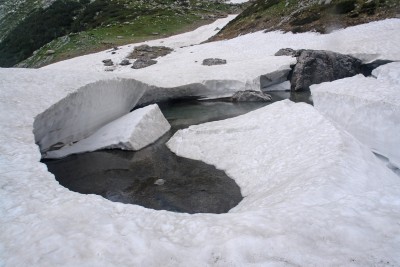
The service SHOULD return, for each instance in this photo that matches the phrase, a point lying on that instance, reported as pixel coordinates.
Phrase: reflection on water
(154, 177)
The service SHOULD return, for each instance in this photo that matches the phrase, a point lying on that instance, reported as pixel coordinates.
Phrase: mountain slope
(308, 15)
(88, 26)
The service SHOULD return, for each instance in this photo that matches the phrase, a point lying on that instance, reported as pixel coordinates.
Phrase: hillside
(307, 15)
(71, 28)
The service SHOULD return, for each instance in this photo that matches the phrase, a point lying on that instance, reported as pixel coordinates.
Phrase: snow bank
(133, 131)
(368, 108)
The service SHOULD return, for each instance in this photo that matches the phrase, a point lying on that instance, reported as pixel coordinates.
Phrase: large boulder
(133, 131)
(250, 96)
(317, 66)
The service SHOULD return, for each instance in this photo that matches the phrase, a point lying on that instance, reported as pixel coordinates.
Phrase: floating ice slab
(368, 108)
(133, 131)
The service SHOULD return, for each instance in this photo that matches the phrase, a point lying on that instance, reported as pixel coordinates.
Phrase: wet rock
(143, 63)
(124, 62)
(251, 96)
(213, 61)
(317, 66)
(286, 52)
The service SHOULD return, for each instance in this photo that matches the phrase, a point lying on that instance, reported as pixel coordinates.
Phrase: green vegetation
(38, 29)
(73, 28)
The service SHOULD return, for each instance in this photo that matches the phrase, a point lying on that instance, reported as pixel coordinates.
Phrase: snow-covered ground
(248, 57)
(367, 107)
(314, 195)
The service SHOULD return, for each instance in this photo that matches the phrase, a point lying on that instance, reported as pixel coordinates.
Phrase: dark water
(154, 177)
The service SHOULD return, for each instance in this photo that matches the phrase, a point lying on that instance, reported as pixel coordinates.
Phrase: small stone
(108, 62)
(213, 61)
(286, 52)
(124, 62)
(159, 182)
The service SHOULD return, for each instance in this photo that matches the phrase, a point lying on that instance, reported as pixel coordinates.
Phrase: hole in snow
(154, 177)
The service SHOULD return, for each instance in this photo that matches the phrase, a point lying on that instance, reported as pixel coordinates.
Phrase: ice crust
(367, 107)
(133, 131)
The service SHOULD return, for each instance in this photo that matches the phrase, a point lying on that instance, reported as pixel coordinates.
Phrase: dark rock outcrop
(317, 66)
(143, 63)
(251, 96)
(213, 61)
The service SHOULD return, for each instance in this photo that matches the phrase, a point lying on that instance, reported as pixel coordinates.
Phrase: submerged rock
(317, 66)
(213, 61)
(143, 63)
(251, 96)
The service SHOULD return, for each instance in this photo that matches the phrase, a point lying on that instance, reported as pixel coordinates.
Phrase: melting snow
(315, 196)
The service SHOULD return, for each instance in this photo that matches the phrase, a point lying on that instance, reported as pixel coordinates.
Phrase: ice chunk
(368, 108)
(130, 132)
(284, 86)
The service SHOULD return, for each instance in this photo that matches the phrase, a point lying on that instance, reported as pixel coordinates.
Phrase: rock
(124, 62)
(213, 61)
(317, 66)
(159, 182)
(146, 51)
(286, 52)
(108, 62)
(109, 68)
(249, 95)
(143, 63)
(50, 52)
(120, 37)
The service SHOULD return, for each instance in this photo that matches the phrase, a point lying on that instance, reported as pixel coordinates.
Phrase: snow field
(314, 195)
